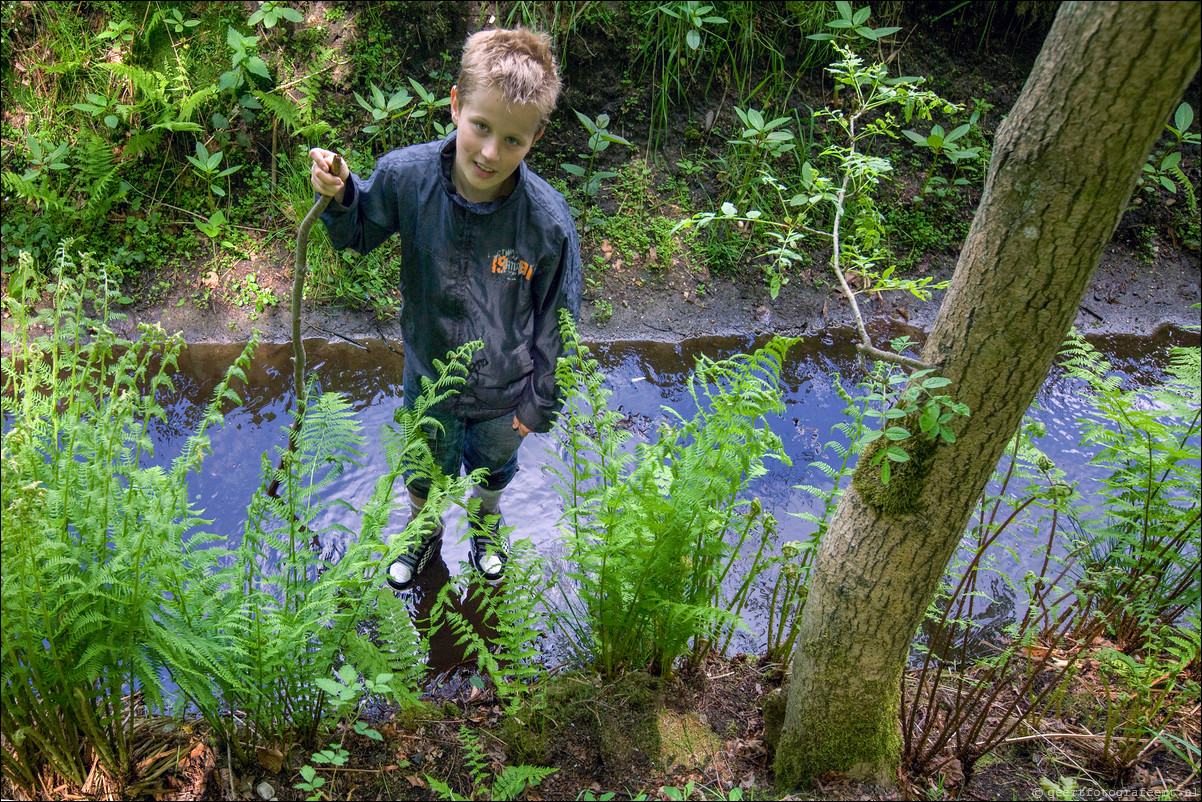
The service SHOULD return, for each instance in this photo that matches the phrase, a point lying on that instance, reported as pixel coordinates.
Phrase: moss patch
(862, 742)
(908, 479)
(773, 703)
(577, 718)
(686, 741)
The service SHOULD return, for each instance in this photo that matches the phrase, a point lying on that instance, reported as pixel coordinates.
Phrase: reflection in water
(645, 377)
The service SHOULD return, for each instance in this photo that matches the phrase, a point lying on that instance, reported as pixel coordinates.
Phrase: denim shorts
(490, 443)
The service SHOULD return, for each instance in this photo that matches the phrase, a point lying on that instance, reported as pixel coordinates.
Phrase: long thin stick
(298, 287)
(298, 347)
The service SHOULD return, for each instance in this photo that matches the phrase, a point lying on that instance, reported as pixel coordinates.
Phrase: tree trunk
(1064, 165)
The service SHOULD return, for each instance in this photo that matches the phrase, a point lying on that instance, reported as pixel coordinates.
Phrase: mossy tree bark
(1064, 166)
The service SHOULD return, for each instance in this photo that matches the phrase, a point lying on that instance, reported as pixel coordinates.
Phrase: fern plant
(1144, 693)
(954, 707)
(507, 785)
(288, 615)
(96, 574)
(511, 618)
(1143, 540)
(70, 200)
(653, 537)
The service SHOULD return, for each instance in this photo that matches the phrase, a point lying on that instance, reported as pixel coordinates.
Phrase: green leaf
(957, 132)
(178, 127)
(896, 433)
(929, 418)
(861, 16)
(575, 170)
(617, 140)
(258, 67)
(896, 454)
(693, 39)
(1184, 117)
(328, 685)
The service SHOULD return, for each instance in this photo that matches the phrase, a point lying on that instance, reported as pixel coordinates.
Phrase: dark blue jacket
(497, 272)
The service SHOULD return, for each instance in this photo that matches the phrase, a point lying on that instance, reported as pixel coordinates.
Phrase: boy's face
(494, 137)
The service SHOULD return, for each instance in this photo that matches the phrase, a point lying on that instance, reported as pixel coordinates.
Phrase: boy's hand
(322, 180)
(517, 424)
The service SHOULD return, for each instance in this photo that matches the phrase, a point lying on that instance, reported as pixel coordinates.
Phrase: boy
(489, 252)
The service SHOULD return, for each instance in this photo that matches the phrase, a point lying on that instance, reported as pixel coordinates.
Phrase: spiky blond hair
(516, 62)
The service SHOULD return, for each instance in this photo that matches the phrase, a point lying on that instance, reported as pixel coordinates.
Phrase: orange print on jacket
(507, 263)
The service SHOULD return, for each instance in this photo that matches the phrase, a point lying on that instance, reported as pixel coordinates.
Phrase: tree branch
(888, 356)
(865, 346)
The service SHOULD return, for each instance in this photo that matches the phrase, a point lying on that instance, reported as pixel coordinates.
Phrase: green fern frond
(283, 108)
(1082, 361)
(140, 142)
(43, 197)
(189, 105)
(152, 85)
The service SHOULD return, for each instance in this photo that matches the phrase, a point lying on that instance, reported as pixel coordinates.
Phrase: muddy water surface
(645, 377)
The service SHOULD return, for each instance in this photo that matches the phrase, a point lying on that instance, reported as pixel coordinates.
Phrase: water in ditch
(645, 377)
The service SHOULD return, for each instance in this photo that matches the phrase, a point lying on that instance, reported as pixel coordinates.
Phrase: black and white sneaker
(405, 569)
(489, 549)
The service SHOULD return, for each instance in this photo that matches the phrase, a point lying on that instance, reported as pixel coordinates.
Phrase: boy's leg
(491, 444)
(446, 447)
(404, 570)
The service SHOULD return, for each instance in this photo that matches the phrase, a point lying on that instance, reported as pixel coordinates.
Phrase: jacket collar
(446, 154)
